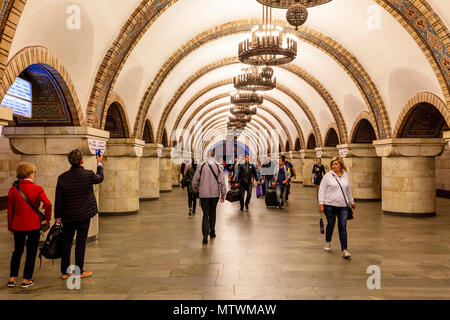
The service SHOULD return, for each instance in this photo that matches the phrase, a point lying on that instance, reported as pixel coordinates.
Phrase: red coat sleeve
(47, 205)
(10, 208)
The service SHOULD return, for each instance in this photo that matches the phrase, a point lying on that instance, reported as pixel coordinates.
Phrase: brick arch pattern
(342, 56)
(334, 126)
(296, 70)
(9, 20)
(363, 115)
(212, 130)
(429, 32)
(41, 55)
(120, 103)
(244, 133)
(420, 97)
(205, 124)
(280, 87)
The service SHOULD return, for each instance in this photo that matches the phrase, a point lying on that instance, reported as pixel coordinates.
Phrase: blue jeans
(281, 194)
(341, 212)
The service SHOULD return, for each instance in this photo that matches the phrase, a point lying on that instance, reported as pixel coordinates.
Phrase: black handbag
(349, 209)
(45, 226)
(233, 195)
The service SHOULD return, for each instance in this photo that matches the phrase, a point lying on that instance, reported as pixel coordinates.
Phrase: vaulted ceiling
(172, 61)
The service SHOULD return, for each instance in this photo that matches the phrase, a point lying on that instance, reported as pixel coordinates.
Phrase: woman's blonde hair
(340, 161)
(24, 170)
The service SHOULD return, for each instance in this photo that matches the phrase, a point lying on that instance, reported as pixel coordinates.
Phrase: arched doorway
(331, 139)
(311, 145)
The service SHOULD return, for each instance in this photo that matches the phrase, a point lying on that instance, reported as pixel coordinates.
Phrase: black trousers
(245, 186)
(69, 229)
(32, 243)
(192, 201)
(209, 206)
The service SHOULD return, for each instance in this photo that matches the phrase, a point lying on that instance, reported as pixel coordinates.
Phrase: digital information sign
(18, 98)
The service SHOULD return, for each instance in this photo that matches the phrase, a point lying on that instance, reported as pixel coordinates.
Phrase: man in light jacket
(209, 182)
(280, 180)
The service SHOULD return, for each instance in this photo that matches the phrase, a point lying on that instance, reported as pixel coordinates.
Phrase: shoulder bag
(44, 227)
(349, 209)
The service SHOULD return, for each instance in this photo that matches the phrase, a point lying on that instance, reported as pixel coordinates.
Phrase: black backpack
(53, 245)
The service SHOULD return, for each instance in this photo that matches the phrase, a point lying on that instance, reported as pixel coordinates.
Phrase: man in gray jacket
(209, 181)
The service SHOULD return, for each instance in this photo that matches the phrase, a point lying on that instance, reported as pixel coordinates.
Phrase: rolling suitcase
(271, 198)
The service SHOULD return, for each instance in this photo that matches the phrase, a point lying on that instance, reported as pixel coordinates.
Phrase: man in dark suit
(75, 205)
(245, 177)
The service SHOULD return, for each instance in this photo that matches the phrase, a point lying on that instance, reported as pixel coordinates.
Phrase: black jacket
(75, 198)
(246, 172)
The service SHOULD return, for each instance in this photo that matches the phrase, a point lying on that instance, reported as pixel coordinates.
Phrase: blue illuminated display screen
(19, 98)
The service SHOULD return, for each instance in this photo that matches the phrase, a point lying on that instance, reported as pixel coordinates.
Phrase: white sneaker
(346, 254)
(327, 246)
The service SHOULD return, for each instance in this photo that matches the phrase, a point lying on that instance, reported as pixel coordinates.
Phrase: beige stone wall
(119, 192)
(176, 175)
(8, 164)
(165, 174)
(443, 170)
(307, 171)
(149, 178)
(298, 167)
(365, 177)
(409, 184)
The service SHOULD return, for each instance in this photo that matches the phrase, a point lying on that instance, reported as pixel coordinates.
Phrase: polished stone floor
(258, 254)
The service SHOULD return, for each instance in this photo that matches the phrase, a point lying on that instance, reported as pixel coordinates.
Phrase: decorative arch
(363, 116)
(44, 57)
(364, 132)
(148, 132)
(421, 97)
(287, 147)
(116, 121)
(331, 135)
(165, 139)
(297, 146)
(312, 142)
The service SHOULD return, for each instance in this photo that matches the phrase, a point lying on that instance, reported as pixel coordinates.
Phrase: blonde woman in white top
(333, 203)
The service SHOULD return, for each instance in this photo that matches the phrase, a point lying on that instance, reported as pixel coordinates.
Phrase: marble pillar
(149, 173)
(297, 162)
(165, 170)
(408, 175)
(119, 192)
(309, 158)
(48, 147)
(364, 170)
(326, 154)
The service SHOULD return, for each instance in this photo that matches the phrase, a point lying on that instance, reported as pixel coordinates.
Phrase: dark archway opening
(148, 132)
(364, 132)
(297, 145)
(114, 122)
(311, 145)
(423, 121)
(331, 139)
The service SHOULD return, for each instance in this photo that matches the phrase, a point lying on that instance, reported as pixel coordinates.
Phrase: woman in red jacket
(25, 223)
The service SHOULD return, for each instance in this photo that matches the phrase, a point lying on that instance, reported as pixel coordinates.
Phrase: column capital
(296, 155)
(151, 150)
(447, 136)
(308, 154)
(326, 152)
(409, 147)
(52, 140)
(124, 147)
(357, 150)
(6, 115)
(166, 152)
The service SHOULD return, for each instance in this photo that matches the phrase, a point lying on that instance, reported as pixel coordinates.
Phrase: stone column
(364, 170)
(119, 192)
(297, 162)
(165, 171)
(149, 173)
(408, 175)
(48, 147)
(326, 154)
(309, 158)
(5, 116)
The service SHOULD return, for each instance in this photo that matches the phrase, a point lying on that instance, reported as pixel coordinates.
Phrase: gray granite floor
(258, 254)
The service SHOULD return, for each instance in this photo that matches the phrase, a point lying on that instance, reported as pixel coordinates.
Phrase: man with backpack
(209, 182)
(281, 180)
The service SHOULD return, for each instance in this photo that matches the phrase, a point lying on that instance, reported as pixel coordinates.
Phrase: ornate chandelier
(255, 79)
(243, 110)
(269, 45)
(285, 4)
(246, 98)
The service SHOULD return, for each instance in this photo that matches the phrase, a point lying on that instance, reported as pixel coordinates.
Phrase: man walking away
(267, 171)
(280, 180)
(209, 182)
(75, 205)
(290, 168)
(245, 177)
